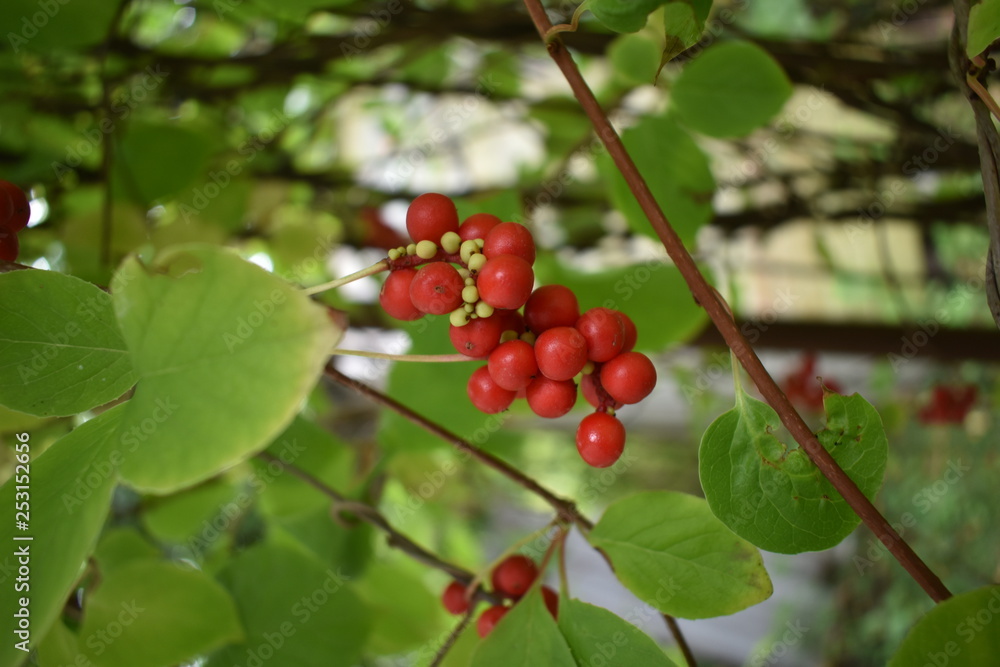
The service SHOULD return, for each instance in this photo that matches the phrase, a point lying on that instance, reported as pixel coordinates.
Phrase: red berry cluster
(14, 214)
(948, 405)
(511, 579)
(535, 343)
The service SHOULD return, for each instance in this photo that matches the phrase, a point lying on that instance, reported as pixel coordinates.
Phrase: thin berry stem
(705, 295)
(453, 636)
(431, 358)
(377, 267)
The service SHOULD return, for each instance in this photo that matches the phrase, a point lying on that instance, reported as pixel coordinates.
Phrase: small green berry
(458, 317)
(477, 262)
(467, 250)
(411, 249)
(394, 254)
(470, 294)
(484, 309)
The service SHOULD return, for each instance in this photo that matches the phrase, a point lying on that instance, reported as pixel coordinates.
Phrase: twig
(372, 516)
(453, 636)
(739, 345)
(564, 508)
(428, 358)
(377, 267)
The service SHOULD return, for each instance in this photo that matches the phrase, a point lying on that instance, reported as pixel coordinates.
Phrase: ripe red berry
(510, 238)
(437, 288)
(512, 364)
(631, 334)
(477, 226)
(487, 395)
(514, 575)
(505, 282)
(551, 599)
(551, 306)
(479, 337)
(395, 295)
(551, 398)
(561, 353)
(9, 245)
(600, 439)
(430, 216)
(454, 599)
(629, 377)
(595, 394)
(604, 331)
(17, 219)
(489, 618)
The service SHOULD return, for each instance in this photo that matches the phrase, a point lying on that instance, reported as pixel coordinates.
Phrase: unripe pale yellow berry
(467, 250)
(394, 253)
(470, 294)
(458, 317)
(484, 309)
(411, 249)
(528, 337)
(477, 262)
(426, 249)
(469, 308)
(507, 335)
(451, 242)
(464, 272)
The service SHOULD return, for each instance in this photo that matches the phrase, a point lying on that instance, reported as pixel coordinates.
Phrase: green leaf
(70, 493)
(634, 58)
(984, 26)
(623, 15)
(289, 602)
(598, 637)
(121, 546)
(682, 25)
(730, 90)
(676, 170)
(776, 497)
(28, 25)
(60, 646)
(405, 613)
(527, 636)
(61, 349)
(669, 550)
(159, 160)
(152, 613)
(959, 632)
(178, 517)
(225, 352)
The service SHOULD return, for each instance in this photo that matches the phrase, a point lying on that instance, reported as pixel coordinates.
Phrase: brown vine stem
(564, 508)
(727, 327)
(372, 516)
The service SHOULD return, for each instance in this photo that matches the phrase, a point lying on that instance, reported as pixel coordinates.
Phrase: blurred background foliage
(850, 225)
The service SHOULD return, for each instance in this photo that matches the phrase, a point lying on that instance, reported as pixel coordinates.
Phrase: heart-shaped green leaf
(669, 549)
(61, 351)
(225, 353)
(776, 497)
(959, 632)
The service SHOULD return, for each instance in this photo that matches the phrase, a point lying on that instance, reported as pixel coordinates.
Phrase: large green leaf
(623, 15)
(730, 90)
(959, 632)
(40, 27)
(676, 170)
(61, 351)
(152, 613)
(527, 636)
(304, 613)
(984, 26)
(69, 495)
(159, 160)
(669, 550)
(405, 612)
(598, 637)
(775, 496)
(225, 352)
(681, 25)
